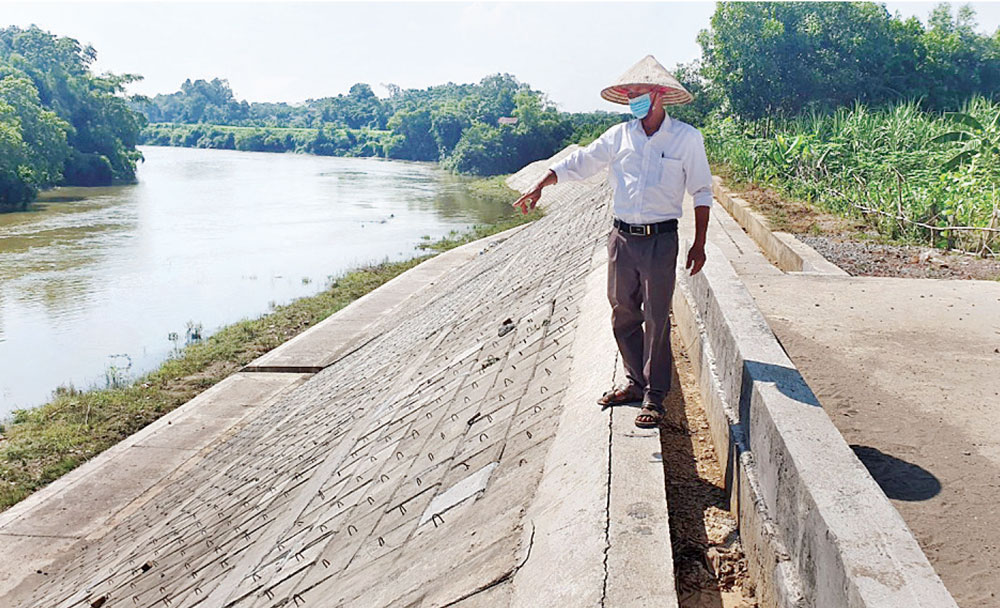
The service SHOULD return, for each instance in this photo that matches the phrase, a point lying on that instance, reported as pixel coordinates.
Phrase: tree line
(60, 124)
(762, 59)
(761, 63)
(494, 126)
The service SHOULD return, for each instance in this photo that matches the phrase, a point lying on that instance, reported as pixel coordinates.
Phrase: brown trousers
(641, 273)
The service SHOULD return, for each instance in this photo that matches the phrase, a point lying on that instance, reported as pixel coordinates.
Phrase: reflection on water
(205, 237)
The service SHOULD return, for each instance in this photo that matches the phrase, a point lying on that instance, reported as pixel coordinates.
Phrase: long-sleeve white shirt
(649, 174)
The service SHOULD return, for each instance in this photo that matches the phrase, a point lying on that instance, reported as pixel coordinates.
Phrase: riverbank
(41, 444)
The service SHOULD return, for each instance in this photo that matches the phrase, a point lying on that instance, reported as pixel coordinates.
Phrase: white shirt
(649, 174)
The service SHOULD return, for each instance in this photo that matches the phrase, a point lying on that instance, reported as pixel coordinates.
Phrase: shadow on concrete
(788, 380)
(900, 480)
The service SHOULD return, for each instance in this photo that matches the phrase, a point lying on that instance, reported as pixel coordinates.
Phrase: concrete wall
(817, 529)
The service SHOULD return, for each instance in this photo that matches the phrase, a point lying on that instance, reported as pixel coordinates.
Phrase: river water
(94, 281)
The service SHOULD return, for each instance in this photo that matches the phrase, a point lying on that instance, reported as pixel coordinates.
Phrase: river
(108, 280)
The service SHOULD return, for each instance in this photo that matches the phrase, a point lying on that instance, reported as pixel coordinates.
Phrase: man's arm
(698, 178)
(580, 164)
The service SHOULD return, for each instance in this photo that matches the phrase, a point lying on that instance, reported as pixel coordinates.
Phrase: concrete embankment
(89, 501)
(448, 451)
(817, 528)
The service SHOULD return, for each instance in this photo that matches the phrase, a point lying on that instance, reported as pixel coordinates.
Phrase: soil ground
(710, 567)
(907, 371)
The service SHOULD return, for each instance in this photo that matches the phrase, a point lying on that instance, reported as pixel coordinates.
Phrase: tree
(57, 98)
(42, 133)
(766, 58)
(415, 141)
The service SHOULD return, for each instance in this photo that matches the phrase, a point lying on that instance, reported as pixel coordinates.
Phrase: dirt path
(709, 563)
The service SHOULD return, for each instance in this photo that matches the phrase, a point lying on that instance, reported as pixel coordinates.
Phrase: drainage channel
(709, 563)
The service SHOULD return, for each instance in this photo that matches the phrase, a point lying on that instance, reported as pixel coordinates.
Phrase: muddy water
(99, 281)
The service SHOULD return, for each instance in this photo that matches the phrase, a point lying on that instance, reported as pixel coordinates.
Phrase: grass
(41, 444)
(887, 168)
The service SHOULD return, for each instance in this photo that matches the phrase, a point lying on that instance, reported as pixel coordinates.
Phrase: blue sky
(284, 51)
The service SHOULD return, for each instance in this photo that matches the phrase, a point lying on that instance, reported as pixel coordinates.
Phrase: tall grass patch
(912, 175)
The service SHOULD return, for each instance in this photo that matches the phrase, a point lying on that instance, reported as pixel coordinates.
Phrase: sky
(293, 51)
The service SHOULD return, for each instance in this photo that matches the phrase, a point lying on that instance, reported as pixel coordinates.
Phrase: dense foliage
(863, 113)
(457, 124)
(60, 124)
(785, 57)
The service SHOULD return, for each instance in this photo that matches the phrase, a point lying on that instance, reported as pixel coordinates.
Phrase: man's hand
(696, 255)
(530, 198)
(696, 258)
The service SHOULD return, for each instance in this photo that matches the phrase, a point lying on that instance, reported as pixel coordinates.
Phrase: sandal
(649, 416)
(621, 396)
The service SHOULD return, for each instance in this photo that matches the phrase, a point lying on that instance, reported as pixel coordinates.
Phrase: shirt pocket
(670, 180)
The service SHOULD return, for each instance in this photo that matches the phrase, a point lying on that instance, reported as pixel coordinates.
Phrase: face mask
(639, 105)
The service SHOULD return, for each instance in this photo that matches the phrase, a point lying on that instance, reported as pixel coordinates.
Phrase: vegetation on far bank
(59, 123)
(495, 126)
(40, 444)
(843, 105)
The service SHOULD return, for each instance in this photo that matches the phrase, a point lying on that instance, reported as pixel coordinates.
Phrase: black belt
(646, 229)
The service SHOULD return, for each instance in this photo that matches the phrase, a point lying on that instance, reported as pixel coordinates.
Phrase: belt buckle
(640, 230)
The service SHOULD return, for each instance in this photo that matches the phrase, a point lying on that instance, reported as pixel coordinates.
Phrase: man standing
(652, 160)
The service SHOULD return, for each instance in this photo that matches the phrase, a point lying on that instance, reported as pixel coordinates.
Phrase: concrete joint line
(607, 502)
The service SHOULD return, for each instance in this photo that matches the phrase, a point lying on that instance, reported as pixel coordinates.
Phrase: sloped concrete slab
(458, 493)
(327, 341)
(85, 502)
(318, 499)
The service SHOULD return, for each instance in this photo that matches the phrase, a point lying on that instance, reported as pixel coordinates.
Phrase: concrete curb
(783, 249)
(817, 529)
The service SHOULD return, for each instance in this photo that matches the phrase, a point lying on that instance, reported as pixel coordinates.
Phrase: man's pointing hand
(530, 198)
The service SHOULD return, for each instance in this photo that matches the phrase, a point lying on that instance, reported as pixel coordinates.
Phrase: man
(652, 160)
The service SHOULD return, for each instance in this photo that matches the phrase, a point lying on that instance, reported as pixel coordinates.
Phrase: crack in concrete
(607, 504)
(506, 576)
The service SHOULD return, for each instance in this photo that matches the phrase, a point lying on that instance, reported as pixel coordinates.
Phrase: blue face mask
(640, 105)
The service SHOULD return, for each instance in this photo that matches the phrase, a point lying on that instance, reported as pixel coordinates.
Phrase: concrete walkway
(907, 369)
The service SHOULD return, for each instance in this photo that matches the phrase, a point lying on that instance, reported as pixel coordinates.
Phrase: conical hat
(648, 71)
